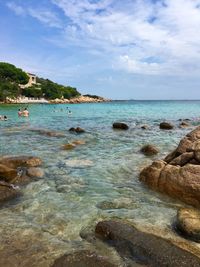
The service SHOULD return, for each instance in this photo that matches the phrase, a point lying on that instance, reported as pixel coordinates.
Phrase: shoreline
(75, 100)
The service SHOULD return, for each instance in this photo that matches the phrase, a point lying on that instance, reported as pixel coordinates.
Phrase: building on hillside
(32, 81)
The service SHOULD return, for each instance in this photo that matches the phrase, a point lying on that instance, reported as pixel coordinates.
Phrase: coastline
(75, 100)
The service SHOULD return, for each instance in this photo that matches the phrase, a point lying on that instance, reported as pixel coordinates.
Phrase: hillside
(12, 79)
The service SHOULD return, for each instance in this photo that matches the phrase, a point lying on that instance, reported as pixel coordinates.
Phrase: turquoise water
(94, 181)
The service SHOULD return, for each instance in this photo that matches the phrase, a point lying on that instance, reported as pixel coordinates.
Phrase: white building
(32, 81)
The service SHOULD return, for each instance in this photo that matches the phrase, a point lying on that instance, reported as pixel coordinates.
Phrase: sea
(94, 181)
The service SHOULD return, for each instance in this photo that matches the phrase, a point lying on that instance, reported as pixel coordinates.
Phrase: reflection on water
(96, 180)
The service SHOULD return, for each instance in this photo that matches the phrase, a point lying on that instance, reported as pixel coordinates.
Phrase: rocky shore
(75, 100)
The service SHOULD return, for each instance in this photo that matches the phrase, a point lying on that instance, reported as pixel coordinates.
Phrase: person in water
(19, 112)
(3, 118)
(25, 112)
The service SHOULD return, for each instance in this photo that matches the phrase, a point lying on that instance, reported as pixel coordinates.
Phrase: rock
(49, 133)
(145, 127)
(149, 150)
(14, 162)
(76, 130)
(35, 172)
(144, 248)
(7, 192)
(84, 258)
(68, 146)
(166, 126)
(120, 125)
(184, 124)
(188, 223)
(6, 173)
(79, 142)
(179, 174)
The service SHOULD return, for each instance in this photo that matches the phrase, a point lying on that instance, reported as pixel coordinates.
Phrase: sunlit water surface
(94, 181)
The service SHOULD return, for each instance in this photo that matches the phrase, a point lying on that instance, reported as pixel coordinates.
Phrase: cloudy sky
(121, 49)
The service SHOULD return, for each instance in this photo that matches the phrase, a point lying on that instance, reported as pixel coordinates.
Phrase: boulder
(188, 223)
(14, 162)
(35, 172)
(166, 126)
(6, 173)
(84, 258)
(149, 150)
(77, 130)
(120, 126)
(178, 175)
(142, 247)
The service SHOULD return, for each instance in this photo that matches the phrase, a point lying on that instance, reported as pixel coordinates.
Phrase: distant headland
(18, 86)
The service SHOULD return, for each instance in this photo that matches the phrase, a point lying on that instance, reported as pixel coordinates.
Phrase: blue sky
(120, 49)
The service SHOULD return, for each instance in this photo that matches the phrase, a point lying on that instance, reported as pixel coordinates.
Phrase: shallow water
(96, 180)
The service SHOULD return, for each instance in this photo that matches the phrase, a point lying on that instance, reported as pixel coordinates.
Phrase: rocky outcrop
(166, 126)
(120, 126)
(178, 175)
(79, 99)
(188, 223)
(144, 248)
(149, 150)
(20, 161)
(84, 258)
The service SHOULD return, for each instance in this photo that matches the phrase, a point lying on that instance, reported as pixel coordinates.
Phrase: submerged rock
(35, 172)
(188, 223)
(145, 127)
(79, 142)
(144, 248)
(20, 161)
(149, 150)
(49, 133)
(76, 130)
(6, 173)
(120, 125)
(8, 192)
(166, 126)
(68, 146)
(184, 124)
(178, 175)
(84, 258)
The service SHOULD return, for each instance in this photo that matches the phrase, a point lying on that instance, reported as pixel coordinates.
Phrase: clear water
(94, 181)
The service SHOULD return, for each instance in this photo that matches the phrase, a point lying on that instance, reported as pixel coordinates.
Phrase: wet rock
(166, 126)
(77, 130)
(68, 146)
(179, 174)
(7, 192)
(145, 127)
(120, 125)
(84, 258)
(49, 133)
(184, 124)
(35, 172)
(121, 203)
(14, 162)
(6, 173)
(144, 248)
(188, 223)
(149, 150)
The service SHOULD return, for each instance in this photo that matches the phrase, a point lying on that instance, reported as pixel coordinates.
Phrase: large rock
(14, 162)
(84, 258)
(144, 248)
(166, 126)
(178, 175)
(77, 130)
(188, 223)
(149, 150)
(120, 126)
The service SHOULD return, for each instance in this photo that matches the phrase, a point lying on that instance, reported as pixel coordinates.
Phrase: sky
(119, 49)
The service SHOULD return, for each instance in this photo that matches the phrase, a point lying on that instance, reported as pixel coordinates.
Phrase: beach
(95, 178)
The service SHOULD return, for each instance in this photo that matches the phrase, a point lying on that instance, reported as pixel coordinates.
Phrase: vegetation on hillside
(11, 77)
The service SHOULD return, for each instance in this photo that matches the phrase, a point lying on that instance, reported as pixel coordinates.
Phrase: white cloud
(19, 10)
(168, 31)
